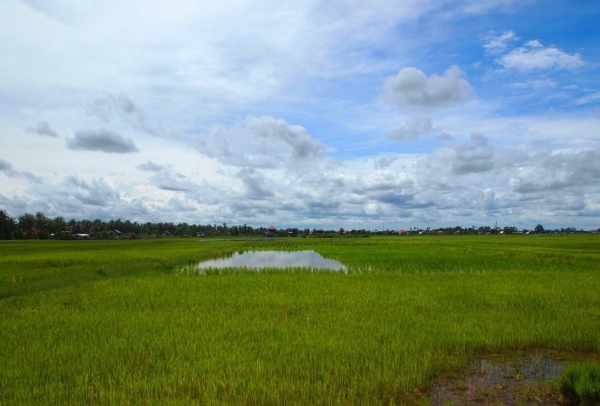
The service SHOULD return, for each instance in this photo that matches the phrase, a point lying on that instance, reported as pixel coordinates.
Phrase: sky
(355, 114)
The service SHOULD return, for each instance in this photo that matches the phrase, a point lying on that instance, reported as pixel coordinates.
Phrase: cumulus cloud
(165, 178)
(386, 188)
(80, 198)
(95, 192)
(395, 198)
(102, 140)
(180, 204)
(172, 181)
(564, 171)
(413, 188)
(415, 127)
(489, 200)
(43, 128)
(384, 161)
(476, 157)
(189, 70)
(296, 137)
(524, 185)
(261, 142)
(255, 183)
(412, 88)
(535, 56)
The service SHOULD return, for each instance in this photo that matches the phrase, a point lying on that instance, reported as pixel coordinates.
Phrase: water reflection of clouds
(274, 259)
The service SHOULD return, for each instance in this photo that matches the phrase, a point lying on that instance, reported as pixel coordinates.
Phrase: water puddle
(256, 260)
(519, 381)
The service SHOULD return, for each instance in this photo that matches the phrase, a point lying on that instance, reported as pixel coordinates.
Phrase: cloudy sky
(331, 113)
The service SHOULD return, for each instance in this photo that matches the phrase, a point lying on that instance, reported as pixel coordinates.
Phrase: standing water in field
(273, 259)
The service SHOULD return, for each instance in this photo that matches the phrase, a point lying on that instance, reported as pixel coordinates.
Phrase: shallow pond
(274, 259)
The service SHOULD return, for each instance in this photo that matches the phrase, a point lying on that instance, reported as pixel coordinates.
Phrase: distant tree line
(38, 226)
(478, 230)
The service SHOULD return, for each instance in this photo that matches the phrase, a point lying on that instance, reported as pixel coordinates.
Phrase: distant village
(38, 226)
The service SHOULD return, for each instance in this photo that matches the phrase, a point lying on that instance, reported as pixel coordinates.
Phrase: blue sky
(309, 113)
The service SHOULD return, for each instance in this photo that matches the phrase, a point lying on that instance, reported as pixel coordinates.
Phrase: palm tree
(27, 225)
(58, 226)
(8, 227)
(42, 225)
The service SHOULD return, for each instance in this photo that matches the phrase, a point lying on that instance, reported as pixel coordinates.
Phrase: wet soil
(493, 381)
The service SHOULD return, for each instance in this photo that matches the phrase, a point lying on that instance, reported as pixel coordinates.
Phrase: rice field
(127, 322)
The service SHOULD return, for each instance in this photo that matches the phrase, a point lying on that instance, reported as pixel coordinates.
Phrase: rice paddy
(119, 322)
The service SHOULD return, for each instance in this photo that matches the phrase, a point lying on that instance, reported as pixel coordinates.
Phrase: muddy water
(493, 382)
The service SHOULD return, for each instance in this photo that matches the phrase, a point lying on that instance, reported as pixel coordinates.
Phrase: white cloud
(474, 158)
(534, 56)
(168, 179)
(120, 109)
(172, 79)
(415, 127)
(96, 192)
(110, 106)
(498, 43)
(257, 186)
(412, 88)
(150, 167)
(535, 84)
(590, 98)
(561, 171)
(261, 142)
(464, 181)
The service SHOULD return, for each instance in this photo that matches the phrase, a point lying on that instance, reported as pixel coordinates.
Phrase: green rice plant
(131, 322)
(580, 384)
(30, 266)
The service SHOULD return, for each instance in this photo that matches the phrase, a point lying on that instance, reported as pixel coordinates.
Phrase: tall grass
(145, 333)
